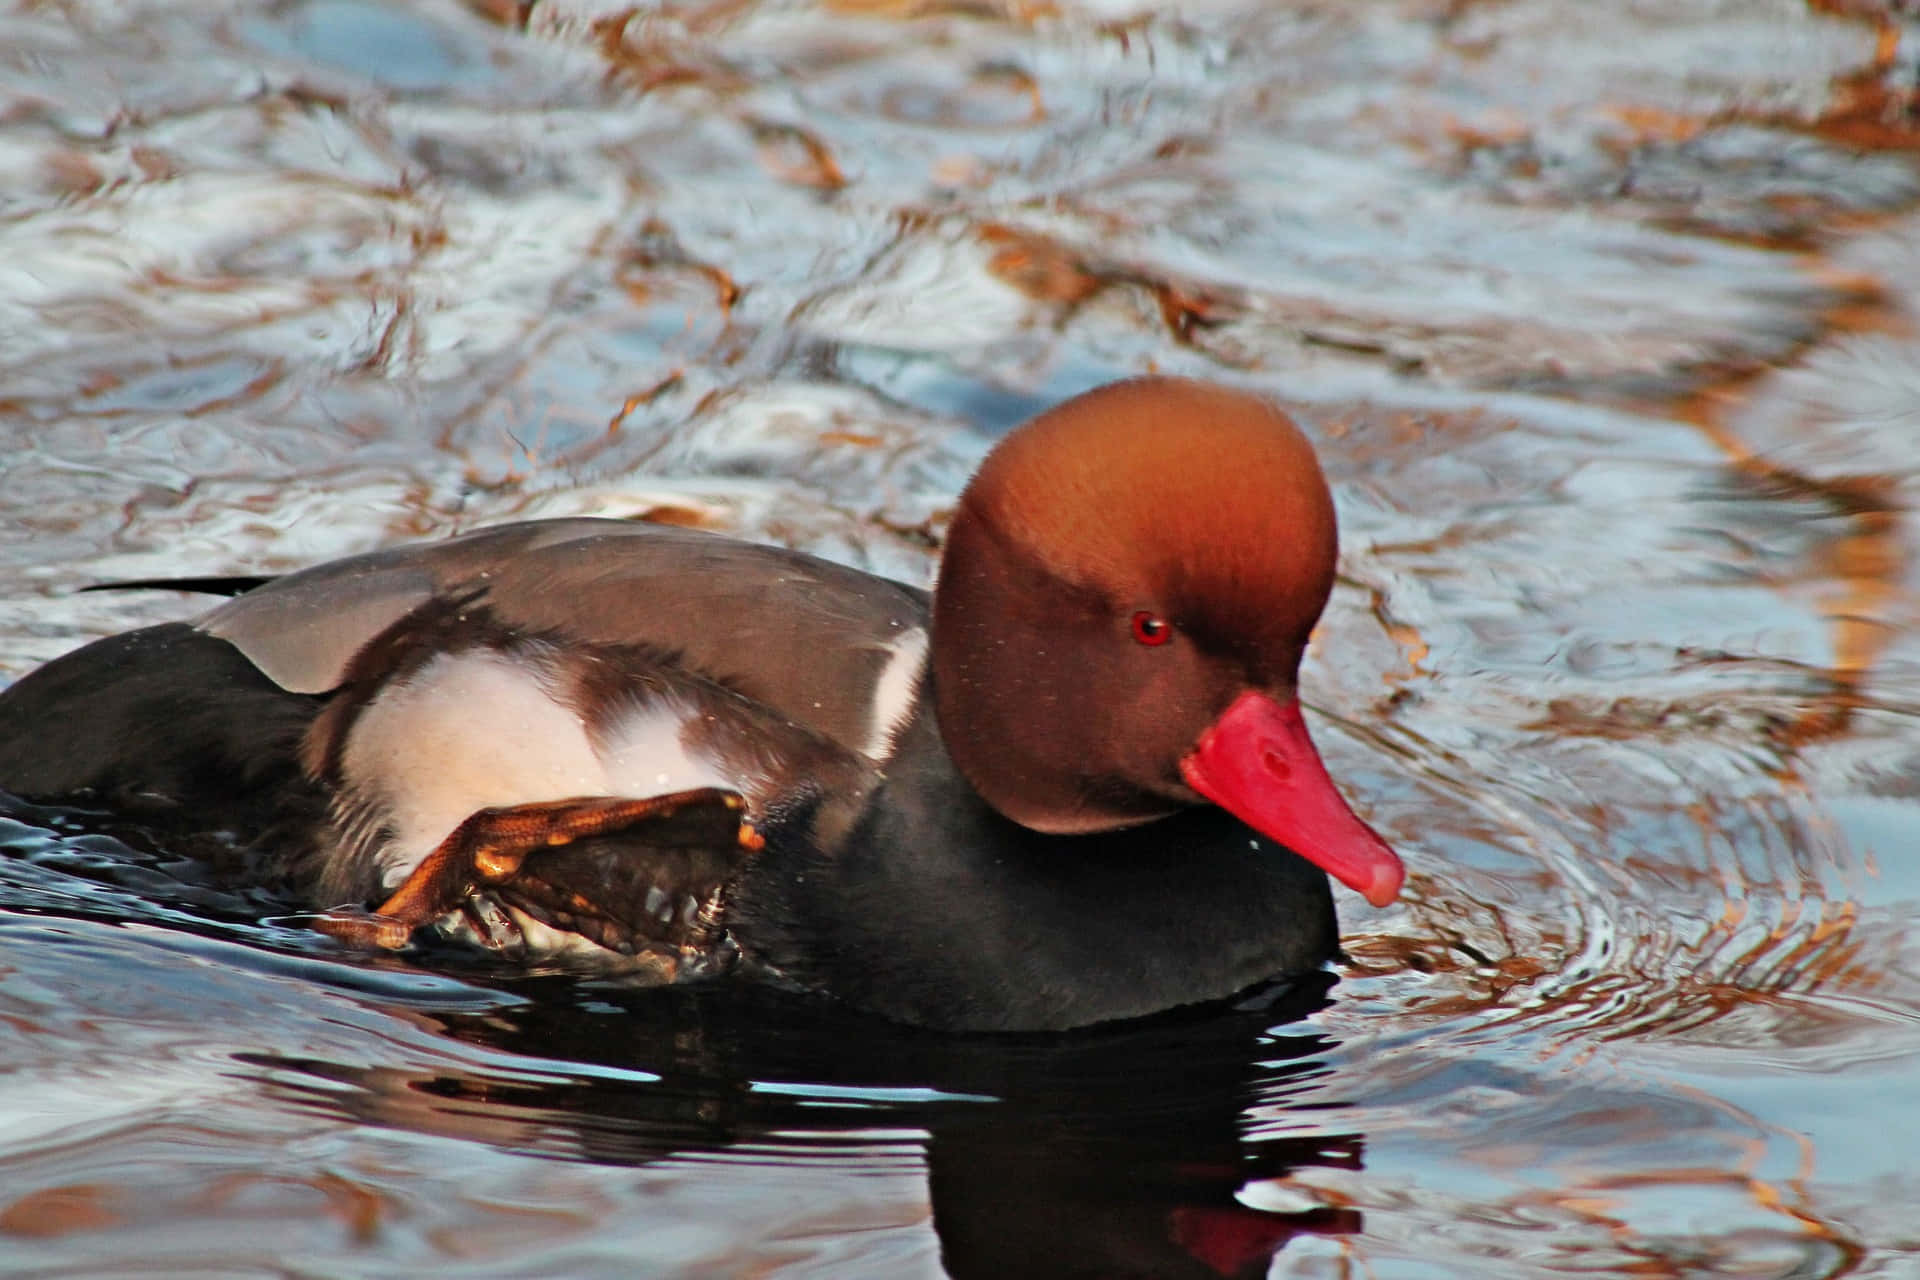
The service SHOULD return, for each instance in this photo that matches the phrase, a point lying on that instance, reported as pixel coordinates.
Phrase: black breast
(934, 909)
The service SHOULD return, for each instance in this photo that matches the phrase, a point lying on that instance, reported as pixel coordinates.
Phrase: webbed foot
(488, 849)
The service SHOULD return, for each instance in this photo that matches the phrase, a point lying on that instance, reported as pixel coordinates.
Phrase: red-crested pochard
(1072, 786)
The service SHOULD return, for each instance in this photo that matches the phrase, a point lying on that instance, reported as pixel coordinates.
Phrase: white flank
(644, 755)
(894, 692)
(478, 729)
(468, 731)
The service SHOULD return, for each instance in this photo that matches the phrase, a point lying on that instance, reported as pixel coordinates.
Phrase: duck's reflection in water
(1112, 1152)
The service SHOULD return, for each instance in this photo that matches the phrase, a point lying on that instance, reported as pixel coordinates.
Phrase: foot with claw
(490, 851)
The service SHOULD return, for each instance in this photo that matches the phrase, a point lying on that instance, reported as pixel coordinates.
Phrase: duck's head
(1127, 590)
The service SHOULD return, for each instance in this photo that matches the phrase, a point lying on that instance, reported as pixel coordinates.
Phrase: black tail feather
(237, 585)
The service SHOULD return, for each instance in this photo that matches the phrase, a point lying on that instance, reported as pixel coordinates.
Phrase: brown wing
(801, 635)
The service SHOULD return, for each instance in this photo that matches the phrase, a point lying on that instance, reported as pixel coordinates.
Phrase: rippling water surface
(1602, 314)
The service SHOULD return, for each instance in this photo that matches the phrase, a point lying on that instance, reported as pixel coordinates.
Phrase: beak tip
(1385, 888)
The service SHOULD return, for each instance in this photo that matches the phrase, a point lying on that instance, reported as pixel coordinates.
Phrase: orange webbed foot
(490, 847)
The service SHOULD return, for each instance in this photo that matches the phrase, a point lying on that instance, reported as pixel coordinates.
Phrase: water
(1603, 317)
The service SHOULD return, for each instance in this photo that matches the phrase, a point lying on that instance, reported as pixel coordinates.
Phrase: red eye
(1151, 628)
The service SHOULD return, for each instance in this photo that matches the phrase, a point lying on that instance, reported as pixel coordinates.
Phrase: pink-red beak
(1257, 762)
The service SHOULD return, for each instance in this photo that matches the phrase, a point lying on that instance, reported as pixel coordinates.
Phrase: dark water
(1603, 316)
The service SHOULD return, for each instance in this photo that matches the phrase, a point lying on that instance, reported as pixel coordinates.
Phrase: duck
(1070, 784)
